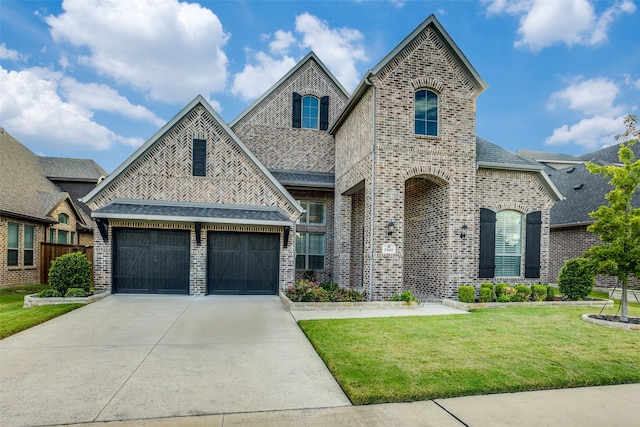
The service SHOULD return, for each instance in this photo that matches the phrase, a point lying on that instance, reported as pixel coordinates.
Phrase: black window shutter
(487, 243)
(532, 254)
(199, 161)
(324, 113)
(297, 110)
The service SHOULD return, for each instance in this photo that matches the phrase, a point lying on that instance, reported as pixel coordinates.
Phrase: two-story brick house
(383, 190)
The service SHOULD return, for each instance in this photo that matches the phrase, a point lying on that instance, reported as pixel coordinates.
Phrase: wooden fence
(51, 251)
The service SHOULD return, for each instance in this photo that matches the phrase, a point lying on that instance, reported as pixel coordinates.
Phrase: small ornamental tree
(70, 271)
(618, 223)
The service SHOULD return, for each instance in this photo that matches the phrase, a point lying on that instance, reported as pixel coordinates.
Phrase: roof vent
(570, 170)
(577, 187)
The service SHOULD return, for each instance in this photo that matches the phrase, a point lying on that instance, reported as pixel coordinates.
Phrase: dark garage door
(242, 263)
(151, 261)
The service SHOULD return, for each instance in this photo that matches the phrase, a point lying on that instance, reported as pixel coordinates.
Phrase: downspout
(373, 187)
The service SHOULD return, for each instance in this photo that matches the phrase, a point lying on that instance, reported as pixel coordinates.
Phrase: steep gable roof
(25, 191)
(311, 56)
(449, 44)
(128, 163)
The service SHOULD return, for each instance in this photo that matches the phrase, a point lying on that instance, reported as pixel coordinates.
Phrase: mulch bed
(610, 318)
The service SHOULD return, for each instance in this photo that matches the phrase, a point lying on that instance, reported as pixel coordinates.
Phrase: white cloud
(171, 49)
(10, 54)
(32, 106)
(592, 133)
(544, 23)
(590, 97)
(254, 80)
(339, 49)
(283, 40)
(594, 98)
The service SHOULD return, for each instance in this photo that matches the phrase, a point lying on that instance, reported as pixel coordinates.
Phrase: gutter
(572, 224)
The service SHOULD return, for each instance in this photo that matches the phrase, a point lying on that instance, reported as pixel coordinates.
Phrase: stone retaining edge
(466, 306)
(332, 306)
(613, 325)
(33, 300)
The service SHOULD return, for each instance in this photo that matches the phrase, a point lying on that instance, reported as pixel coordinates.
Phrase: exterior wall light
(390, 226)
(463, 231)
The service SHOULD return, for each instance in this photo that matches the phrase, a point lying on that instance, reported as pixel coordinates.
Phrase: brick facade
(20, 274)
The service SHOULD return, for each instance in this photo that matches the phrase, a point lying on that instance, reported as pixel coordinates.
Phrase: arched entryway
(426, 230)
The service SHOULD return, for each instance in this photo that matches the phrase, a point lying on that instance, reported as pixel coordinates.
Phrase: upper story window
(426, 113)
(63, 218)
(508, 244)
(315, 214)
(199, 157)
(309, 112)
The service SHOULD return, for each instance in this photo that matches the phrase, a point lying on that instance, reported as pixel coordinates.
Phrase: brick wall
(20, 274)
(572, 242)
(267, 129)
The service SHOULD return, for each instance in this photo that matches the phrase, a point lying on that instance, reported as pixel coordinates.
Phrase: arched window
(508, 243)
(426, 113)
(63, 218)
(310, 112)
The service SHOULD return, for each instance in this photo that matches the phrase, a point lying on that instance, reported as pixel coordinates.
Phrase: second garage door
(243, 263)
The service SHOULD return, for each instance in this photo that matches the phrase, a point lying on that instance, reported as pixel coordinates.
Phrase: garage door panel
(151, 261)
(243, 263)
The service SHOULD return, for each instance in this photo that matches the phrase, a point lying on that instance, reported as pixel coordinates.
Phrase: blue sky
(97, 78)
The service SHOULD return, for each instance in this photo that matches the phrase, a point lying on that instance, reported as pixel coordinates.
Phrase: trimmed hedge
(486, 295)
(576, 279)
(467, 294)
(70, 271)
(538, 292)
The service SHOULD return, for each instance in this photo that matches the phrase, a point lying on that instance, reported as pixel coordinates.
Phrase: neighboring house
(584, 193)
(384, 190)
(35, 208)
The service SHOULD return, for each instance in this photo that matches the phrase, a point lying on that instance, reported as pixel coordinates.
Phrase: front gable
(195, 158)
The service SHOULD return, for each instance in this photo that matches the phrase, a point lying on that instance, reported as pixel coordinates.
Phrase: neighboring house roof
(66, 169)
(304, 179)
(25, 191)
(584, 191)
(448, 43)
(491, 156)
(158, 135)
(311, 56)
(158, 210)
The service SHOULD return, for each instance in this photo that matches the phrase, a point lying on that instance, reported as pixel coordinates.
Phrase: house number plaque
(388, 248)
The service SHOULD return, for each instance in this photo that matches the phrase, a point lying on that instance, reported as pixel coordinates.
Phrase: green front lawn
(14, 318)
(488, 351)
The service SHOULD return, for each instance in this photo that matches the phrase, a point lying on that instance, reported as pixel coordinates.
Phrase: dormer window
(310, 112)
(426, 113)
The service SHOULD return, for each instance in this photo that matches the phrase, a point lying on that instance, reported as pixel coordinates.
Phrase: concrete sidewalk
(610, 406)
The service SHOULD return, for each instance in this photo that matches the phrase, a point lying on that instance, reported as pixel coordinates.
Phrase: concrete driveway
(134, 356)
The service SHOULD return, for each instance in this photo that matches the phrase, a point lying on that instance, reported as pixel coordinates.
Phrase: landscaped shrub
(467, 294)
(538, 292)
(488, 285)
(306, 291)
(500, 287)
(551, 293)
(70, 271)
(576, 278)
(49, 293)
(522, 293)
(486, 295)
(75, 293)
(506, 293)
(405, 296)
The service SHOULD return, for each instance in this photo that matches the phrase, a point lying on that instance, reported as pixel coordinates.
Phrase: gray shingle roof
(488, 152)
(292, 178)
(73, 169)
(584, 192)
(192, 212)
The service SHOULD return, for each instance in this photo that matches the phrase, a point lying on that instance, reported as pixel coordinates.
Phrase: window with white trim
(508, 244)
(29, 239)
(310, 112)
(62, 237)
(315, 213)
(63, 218)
